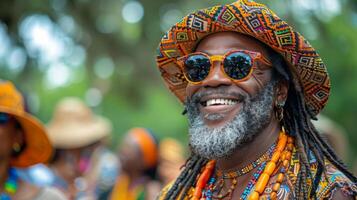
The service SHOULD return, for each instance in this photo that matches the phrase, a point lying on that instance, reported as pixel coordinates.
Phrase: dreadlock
(297, 123)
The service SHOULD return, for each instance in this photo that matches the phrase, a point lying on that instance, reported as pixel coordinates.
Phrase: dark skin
(66, 166)
(133, 166)
(219, 44)
(130, 158)
(9, 135)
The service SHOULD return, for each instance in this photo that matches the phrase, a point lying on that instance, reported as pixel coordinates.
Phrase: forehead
(222, 42)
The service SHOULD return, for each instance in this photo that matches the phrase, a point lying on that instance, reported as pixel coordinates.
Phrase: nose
(216, 77)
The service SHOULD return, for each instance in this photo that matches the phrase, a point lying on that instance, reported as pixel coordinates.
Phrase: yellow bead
(276, 187)
(281, 143)
(254, 196)
(269, 168)
(283, 156)
(286, 163)
(273, 195)
(275, 157)
(262, 182)
(280, 178)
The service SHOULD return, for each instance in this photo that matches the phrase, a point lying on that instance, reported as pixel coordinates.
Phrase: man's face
(217, 130)
(9, 135)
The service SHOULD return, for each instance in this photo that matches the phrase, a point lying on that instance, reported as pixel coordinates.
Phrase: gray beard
(221, 142)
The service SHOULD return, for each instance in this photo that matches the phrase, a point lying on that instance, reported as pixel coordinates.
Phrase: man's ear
(281, 91)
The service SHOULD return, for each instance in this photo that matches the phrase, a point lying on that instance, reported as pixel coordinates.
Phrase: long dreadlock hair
(297, 123)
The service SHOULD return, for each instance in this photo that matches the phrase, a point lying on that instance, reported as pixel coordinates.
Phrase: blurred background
(103, 52)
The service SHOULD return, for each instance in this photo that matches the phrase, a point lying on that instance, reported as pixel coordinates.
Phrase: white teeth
(220, 102)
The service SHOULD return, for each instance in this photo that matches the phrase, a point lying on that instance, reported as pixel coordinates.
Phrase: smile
(219, 102)
(224, 105)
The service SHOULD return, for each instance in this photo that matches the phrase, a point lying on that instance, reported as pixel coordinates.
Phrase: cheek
(192, 89)
(6, 141)
(255, 83)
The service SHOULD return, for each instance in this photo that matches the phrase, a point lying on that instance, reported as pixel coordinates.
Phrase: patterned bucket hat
(258, 21)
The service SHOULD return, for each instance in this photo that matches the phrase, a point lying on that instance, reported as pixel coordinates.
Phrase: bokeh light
(133, 12)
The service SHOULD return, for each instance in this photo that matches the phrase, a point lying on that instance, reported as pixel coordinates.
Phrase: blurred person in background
(172, 158)
(138, 154)
(334, 135)
(82, 166)
(23, 142)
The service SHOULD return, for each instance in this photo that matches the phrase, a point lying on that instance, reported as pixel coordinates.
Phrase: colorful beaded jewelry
(229, 192)
(285, 160)
(278, 155)
(203, 178)
(10, 186)
(252, 181)
(281, 156)
(248, 168)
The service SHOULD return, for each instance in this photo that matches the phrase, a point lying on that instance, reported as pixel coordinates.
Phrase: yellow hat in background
(38, 148)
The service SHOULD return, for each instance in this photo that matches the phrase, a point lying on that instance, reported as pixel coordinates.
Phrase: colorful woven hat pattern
(258, 21)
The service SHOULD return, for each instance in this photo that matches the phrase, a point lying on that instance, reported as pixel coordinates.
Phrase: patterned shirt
(331, 180)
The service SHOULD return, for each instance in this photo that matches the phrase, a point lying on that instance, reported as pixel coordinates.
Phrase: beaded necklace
(10, 186)
(248, 168)
(207, 193)
(252, 182)
(211, 187)
(282, 153)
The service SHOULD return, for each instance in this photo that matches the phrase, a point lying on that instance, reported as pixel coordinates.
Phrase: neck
(253, 150)
(4, 168)
(61, 169)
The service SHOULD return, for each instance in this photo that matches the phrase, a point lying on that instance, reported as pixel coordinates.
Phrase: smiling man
(251, 86)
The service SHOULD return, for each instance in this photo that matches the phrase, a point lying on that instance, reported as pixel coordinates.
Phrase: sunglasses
(5, 118)
(237, 65)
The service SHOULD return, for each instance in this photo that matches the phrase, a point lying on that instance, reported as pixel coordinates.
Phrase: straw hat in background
(37, 147)
(74, 125)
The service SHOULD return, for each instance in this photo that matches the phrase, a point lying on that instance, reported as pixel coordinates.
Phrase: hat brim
(258, 21)
(38, 148)
(74, 135)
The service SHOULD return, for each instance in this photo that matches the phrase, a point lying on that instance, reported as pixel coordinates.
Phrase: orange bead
(280, 178)
(269, 168)
(275, 157)
(254, 196)
(211, 164)
(288, 156)
(281, 143)
(276, 187)
(273, 195)
(262, 182)
(286, 163)
(283, 156)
